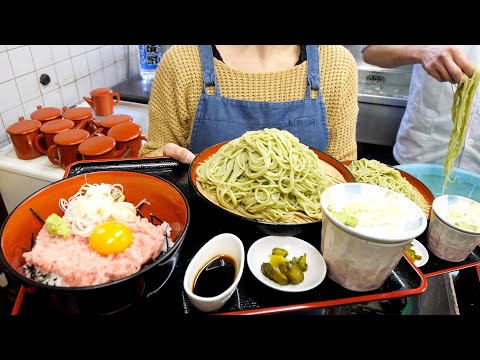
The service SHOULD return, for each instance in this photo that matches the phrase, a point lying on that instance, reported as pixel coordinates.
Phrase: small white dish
(261, 250)
(222, 244)
(420, 250)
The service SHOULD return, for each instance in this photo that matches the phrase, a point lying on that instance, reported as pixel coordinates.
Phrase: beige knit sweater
(178, 85)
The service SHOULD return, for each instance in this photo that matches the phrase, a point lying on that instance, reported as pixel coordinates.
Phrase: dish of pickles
(417, 253)
(286, 263)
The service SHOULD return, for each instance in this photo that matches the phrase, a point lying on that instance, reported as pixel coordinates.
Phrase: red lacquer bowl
(166, 203)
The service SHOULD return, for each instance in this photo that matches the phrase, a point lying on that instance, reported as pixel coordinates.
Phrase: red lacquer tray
(251, 296)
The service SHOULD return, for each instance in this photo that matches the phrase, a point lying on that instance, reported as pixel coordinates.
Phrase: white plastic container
(445, 239)
(361, 258)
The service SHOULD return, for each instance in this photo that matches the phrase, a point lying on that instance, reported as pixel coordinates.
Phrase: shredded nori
(36, 215)
(152, 217)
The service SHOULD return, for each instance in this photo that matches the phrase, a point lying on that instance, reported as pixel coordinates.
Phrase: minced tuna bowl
(59, 261)
(100, 238)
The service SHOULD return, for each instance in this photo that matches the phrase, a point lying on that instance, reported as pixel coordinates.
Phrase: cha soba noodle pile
(461, 108)
(99, 239)
(267, 175)
(376, 173)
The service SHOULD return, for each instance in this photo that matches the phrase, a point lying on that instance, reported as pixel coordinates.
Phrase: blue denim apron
(221, 119)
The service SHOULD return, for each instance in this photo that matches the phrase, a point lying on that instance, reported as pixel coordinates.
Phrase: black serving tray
(437, 266)
(251, 296)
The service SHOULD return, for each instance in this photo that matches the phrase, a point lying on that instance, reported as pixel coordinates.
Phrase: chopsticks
(335, 180)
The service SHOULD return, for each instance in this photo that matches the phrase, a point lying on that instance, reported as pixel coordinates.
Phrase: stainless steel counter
(134, 89)
(382, 98)
(378, 123)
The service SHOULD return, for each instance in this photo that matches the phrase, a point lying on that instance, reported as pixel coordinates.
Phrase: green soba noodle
(377, 173)
(461, 108)
(267, 175)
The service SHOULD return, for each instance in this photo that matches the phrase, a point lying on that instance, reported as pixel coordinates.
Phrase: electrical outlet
(375, 79)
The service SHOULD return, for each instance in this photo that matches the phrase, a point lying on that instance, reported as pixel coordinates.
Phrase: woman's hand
(179, 153)
(446, 63)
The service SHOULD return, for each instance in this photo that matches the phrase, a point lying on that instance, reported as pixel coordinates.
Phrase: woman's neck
(259, 58)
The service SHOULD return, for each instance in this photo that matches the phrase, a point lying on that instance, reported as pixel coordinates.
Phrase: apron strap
(313, 70)
(208, 68)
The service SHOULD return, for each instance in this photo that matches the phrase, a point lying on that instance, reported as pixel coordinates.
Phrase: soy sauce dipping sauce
(215, 277)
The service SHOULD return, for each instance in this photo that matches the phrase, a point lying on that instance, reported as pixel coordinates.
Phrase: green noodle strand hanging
(461, 109)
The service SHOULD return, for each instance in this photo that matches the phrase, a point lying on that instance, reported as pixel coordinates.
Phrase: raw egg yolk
(110, 238)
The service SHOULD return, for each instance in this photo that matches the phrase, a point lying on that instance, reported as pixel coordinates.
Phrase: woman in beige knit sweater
(203, 95)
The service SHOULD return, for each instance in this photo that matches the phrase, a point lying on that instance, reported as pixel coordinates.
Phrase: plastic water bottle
(149, 57)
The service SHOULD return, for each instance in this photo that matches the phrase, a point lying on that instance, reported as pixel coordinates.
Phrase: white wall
(74, 70)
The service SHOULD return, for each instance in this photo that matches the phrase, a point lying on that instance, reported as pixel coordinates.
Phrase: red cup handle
(38, 145)
(116, 95)
(143, 137)
(94, 122)
(82, 124)
(123, 152)
(97, 132)
(52, 150)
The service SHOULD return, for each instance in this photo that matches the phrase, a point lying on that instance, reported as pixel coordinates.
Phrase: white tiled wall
(74, 70)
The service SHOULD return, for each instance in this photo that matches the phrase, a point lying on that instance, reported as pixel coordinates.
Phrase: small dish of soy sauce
(214, 272)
